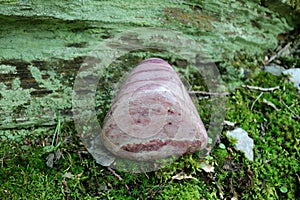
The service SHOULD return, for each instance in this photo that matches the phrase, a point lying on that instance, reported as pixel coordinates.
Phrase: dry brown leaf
(182, 175)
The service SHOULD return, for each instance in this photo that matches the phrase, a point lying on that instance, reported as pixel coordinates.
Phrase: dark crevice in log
(27, 81)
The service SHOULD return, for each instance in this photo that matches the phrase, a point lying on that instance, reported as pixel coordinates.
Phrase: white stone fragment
(294, 76)
(244, 142)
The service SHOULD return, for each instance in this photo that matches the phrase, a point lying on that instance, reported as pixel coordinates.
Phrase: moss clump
(274, 128)
(295, 4)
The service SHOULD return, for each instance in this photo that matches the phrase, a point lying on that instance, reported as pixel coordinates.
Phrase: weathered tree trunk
(43, 43)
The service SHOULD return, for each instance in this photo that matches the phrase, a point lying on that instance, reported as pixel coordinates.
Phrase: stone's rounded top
(155, 60)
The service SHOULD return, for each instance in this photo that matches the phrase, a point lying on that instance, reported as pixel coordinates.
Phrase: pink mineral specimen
(153, 116)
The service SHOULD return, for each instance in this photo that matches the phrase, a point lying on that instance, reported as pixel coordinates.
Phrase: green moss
(295, 4)
(276, 143)
(25, 176)
(183, 190)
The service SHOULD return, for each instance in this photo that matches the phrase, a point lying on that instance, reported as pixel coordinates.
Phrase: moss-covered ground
(271, 118)
(35, 164)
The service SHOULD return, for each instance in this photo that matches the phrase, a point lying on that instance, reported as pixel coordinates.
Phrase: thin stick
(114, 173)
(266, 161)
(260, 88)
(118, 176)
(279, 52)
(210, 93)
(256, 100)
(64, 183)
(146, 175)
(270, 104)
(2, 160)
(291, 110)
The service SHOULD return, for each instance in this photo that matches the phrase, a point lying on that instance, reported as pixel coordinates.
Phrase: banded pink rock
(153, 116)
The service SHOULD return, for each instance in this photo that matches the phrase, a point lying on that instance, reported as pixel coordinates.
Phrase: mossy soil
(270, 118)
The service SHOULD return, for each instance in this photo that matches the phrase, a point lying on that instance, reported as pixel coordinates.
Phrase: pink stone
(153, 116)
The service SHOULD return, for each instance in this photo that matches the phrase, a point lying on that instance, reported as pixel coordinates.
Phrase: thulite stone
(153, 116)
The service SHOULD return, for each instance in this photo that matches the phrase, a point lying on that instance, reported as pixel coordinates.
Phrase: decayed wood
(21, 92)
(43, 43)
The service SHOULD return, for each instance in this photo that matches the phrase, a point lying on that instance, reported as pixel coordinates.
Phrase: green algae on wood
(222, 27)
(40, 42)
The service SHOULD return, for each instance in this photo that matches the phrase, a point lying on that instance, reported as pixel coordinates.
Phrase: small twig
(2, 160)
(260, 88)
(57, 131)
(279, 52)
(70, 163)
(146, 175)
(114, 173)
(209, 93)
(269, 103)
(118, 176)
(266, 161)
(256, 100)
(262, 129)
(64, 183)
(291, 110)
(298, 178)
